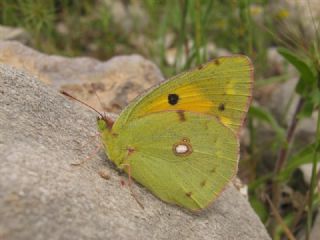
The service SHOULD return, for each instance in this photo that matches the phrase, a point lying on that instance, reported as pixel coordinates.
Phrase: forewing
(153, 147)
(221, 88)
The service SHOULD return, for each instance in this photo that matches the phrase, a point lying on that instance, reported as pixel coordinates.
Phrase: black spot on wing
(173, 99)
(221, 107)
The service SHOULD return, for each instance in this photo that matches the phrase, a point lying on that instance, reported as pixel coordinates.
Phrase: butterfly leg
(97, 149)
(97, 134)
(130, 184)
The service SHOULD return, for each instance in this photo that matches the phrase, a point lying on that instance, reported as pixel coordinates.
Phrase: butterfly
(181, 138)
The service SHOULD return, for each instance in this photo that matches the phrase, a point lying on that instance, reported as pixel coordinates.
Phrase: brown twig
(284, 150)
(280, 221)
(282, 157)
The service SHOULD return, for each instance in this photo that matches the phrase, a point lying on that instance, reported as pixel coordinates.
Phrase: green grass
(90, 28)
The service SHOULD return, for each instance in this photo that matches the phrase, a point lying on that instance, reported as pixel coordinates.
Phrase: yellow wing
(222, 88)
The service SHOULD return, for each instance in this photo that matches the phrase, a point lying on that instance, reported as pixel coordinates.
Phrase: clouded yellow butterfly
(180, 139)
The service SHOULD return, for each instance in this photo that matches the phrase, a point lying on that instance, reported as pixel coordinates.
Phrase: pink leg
(91, 137)
(130, 185)
(97, 149)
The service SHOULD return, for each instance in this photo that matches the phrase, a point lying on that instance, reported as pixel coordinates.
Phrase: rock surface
(43, 197)
(12, 33)
(116, 81)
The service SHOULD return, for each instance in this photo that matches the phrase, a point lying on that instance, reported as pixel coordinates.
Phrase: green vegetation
(178, 35)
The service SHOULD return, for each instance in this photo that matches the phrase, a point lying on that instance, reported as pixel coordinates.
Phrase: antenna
(74, 98)
(108, 121)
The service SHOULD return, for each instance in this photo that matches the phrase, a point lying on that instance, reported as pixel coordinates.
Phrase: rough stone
(116, 81)
(43, 197)
(12, 33)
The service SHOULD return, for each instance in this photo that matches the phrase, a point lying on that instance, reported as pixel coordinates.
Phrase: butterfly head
(105, 122)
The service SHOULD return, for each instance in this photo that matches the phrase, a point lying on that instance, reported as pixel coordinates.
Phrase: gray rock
(117, 81)
(43, 197)
(12, 33)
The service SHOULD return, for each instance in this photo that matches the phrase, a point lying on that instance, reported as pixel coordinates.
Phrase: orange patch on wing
(190, 99)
